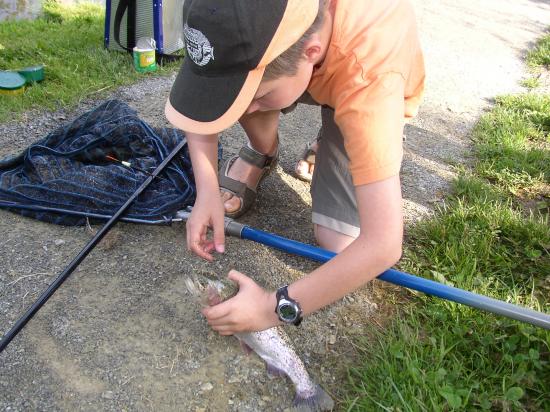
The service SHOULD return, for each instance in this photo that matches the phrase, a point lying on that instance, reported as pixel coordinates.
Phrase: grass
(68, 40)
(440, 356)
(540, 55)
(538, 60)
(531, 83)
(512, 144)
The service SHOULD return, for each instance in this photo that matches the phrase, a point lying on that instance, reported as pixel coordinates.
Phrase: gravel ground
(122, 334)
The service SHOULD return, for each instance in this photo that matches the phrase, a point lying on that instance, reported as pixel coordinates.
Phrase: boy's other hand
(208, 212)
(251, 309)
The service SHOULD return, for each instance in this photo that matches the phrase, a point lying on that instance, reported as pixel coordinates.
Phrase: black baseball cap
(228, 45)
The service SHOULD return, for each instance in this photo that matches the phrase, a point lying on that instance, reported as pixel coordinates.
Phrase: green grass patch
(534, 108)
(512, 143)
(68, 40)
(444, 358)
(540, 55)
(440, 356)
(437, 355)
(484, 245)
(531, 83)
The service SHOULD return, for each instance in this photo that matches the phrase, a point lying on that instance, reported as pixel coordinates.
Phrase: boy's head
(229, 44)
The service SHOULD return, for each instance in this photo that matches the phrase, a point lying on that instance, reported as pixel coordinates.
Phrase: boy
(247, 60)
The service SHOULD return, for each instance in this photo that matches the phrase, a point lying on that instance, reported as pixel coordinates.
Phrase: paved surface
(121, 334)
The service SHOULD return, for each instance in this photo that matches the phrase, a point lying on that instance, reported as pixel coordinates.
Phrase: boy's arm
(208, 209)
(376, 249)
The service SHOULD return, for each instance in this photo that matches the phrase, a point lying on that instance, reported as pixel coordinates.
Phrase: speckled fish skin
(272, 345)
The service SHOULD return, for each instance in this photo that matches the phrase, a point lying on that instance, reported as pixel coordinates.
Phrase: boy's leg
(261, 129)
(330, 239)
(335, 216)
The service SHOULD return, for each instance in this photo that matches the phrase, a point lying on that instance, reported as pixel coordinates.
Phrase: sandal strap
(239, 189)
(255, 158)
(232, 185)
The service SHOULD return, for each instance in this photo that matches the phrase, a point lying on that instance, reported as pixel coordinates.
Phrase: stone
(108, 395)
(207, 387)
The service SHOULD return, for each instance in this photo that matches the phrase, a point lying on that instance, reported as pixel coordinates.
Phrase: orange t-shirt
(373, 77)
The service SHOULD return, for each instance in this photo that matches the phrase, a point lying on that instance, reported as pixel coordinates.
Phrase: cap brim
(208, 105)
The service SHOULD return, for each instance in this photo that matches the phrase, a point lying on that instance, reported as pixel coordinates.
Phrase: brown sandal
(241, 190)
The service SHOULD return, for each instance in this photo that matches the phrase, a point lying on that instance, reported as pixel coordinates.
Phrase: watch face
(287, 311)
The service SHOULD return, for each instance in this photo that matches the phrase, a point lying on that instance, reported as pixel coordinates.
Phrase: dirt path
(121, 333)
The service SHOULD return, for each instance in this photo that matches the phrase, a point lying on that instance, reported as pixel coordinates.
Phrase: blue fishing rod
(429, 287)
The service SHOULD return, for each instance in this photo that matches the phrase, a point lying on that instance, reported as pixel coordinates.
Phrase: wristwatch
(287, 309)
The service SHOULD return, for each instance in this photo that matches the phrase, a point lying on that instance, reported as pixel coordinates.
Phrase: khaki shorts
(332, 191)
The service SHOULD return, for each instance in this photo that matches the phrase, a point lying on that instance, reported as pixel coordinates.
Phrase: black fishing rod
(85, 251)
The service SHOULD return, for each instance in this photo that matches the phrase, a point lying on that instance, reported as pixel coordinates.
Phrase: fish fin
(319, 401)
(192, 287)
(247, 349)
(273, 370)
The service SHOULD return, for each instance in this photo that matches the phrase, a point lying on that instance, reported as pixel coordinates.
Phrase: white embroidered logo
(198, 46)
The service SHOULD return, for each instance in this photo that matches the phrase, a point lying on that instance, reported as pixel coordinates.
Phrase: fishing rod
(429, 287)
(43, 298)
(165, 220)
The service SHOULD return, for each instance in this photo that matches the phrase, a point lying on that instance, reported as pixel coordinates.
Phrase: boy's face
(282, 92)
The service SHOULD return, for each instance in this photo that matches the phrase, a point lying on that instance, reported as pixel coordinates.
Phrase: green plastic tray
(11, 81)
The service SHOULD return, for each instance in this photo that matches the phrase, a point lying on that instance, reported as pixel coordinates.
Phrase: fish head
(210, 289)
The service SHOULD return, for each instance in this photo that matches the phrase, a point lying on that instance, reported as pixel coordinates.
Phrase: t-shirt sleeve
(371, 118)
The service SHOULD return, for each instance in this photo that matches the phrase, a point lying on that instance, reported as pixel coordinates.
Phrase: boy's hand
(208, 211)
(252, 309)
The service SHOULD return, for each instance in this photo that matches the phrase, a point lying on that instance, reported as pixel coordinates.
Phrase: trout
(272, 345)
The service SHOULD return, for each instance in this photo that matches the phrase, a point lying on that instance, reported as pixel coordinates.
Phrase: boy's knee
(330, 239)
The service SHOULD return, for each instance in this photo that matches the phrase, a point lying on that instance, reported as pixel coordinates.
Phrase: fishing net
(68, 178)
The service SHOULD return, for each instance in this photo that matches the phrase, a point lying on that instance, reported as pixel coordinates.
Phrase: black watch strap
(282, 296)
(282, 292)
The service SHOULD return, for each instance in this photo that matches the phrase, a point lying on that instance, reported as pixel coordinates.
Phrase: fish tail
(319, 401)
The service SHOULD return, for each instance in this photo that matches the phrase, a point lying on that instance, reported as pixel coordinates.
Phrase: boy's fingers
(219, 235)
(240, 278)
(213, 313)
(197, 242)
(224, 330)
(199, 248)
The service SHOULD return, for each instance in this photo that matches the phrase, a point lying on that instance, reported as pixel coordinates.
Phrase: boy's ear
(313, 49)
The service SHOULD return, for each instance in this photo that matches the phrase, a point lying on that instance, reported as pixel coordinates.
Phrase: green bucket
(33, 73)
(144, 55)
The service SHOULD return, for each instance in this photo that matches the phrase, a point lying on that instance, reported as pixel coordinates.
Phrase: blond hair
(287, 63)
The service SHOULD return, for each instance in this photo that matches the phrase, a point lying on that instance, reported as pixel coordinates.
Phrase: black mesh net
(72, 170)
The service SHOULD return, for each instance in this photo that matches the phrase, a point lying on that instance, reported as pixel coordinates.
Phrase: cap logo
(198, 46)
